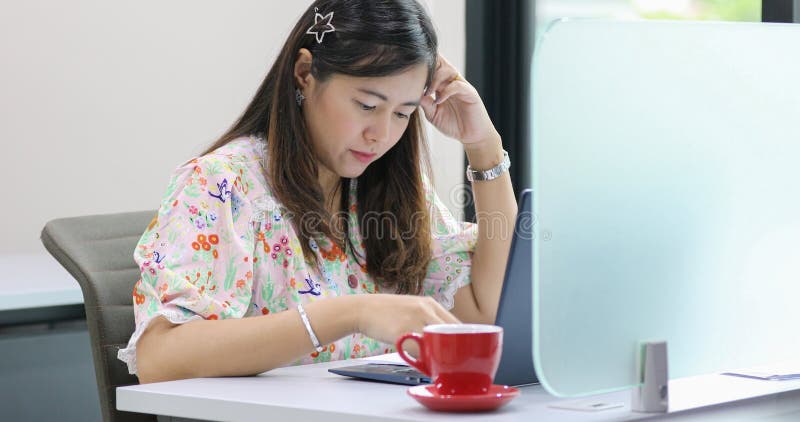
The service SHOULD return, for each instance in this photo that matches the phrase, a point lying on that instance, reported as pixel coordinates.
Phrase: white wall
(447, 155)
(100, 101)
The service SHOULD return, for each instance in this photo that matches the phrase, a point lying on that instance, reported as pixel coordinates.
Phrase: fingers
(446, 316)
(428, 107)
(442, 315)
(440, 81)
(444, 75)
(414, 314)
(412, 348)
(451, 89)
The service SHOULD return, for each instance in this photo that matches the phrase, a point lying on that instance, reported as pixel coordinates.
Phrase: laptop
(514, 314)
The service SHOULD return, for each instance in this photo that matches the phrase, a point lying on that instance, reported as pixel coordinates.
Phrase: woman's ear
(302, 69)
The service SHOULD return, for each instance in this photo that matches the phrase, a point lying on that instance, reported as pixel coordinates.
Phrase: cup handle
(416, 363)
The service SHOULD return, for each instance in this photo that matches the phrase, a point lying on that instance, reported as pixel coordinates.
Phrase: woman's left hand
(457, 111)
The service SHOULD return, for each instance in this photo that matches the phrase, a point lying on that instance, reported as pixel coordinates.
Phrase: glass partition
(667, 198)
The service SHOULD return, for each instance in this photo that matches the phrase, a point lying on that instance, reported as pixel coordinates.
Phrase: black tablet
(384, 372)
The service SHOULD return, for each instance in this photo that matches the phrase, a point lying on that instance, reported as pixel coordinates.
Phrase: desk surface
(35, 281)
(310, 393)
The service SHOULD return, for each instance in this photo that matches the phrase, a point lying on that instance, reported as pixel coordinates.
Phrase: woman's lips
(363, 156)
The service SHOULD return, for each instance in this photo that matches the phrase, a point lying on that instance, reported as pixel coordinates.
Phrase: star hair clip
(322, 25)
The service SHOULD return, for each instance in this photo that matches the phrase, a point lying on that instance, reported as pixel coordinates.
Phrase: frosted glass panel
(667, 195)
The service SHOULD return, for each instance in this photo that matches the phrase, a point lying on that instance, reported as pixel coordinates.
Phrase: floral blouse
(221, 248)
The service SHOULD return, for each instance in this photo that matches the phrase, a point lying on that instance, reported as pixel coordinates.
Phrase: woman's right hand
(386, 317)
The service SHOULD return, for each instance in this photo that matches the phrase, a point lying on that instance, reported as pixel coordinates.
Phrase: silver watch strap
(492, 173)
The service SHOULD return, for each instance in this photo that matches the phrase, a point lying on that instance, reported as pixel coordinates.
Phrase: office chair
(98, 251)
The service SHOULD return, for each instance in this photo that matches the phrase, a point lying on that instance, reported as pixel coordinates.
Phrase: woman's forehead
(394, 87)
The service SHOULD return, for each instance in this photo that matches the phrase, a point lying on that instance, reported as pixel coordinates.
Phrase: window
(718, 10)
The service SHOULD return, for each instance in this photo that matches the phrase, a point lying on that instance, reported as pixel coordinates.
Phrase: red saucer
(497, 396)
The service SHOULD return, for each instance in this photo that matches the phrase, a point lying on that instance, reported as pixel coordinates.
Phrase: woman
(309, 231)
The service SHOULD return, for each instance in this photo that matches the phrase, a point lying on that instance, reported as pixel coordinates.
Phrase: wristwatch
(492, 173)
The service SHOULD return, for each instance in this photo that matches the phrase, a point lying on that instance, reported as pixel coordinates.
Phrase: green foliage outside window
(718, 10)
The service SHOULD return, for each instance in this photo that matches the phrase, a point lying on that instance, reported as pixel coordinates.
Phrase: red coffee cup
(461, 359)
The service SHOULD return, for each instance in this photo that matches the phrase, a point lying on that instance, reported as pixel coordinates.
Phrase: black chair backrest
(98, 251)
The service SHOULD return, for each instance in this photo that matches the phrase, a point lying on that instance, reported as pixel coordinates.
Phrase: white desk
(35, 281)
(311, 393)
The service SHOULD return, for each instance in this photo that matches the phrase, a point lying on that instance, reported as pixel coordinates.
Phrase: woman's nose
(379, 130)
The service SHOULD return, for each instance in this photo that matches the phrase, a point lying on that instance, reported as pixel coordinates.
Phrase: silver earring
(299, 97)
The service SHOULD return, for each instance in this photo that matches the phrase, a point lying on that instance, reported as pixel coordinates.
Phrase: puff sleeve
(196, 256)
(453, 244)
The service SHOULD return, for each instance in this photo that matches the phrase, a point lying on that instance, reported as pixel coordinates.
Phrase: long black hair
(372, 38)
